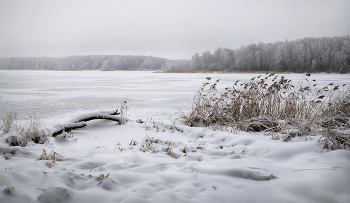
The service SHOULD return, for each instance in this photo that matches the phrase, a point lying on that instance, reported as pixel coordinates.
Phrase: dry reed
(272, 103)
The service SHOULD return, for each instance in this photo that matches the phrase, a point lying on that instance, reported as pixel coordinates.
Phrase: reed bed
(271, 103)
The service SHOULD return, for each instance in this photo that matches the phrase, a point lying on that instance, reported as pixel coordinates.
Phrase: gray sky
(174, 29)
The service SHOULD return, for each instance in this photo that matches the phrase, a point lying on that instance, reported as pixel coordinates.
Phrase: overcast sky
(174, 29)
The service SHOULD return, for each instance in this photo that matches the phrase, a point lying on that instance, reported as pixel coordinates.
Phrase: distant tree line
(326, 54)
(99, 62)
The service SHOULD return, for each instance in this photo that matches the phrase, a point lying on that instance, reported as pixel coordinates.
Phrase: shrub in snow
(34, 129)
(30, 131)
(13, 140)
(20, 135)
(9, 121)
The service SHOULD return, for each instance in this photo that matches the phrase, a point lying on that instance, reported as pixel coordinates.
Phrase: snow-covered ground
(168, 162)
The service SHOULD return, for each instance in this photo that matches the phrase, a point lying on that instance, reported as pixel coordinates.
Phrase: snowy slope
(155, 161)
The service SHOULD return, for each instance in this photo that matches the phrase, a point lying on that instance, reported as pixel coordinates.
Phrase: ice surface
(107, 162)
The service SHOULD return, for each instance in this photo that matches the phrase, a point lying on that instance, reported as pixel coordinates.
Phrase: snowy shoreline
(106, 162)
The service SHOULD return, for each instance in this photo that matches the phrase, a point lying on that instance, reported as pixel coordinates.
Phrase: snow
(108, 162)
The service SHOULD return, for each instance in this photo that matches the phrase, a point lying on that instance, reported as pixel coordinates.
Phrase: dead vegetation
(33, 129)
(271, 103)
(54, 156)
(102, 177)
(9, 121)
(154, 145)
(336, 139)
(30, 130)
(9, 189)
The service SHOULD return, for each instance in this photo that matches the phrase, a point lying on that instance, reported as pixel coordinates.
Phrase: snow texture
(107, 162)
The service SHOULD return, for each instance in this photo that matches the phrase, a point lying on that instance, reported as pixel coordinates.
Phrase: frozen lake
(56, 94)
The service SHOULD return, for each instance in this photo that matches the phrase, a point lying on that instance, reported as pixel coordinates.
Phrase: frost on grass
(271, 103)
(9, 121)
(30, 130)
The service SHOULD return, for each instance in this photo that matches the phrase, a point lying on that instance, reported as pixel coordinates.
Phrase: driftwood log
(80, 122)
(60, 128)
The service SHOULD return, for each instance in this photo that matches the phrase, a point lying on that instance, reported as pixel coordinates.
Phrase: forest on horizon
(325, 54)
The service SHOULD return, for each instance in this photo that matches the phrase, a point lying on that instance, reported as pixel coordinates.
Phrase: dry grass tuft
(52, 156)
(9, 189)
(271, 103)
(152, 125)
(102, 177)
(133, 142)
(151, 144)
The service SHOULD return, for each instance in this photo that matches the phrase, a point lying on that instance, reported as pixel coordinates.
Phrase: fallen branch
(94, 116)
(80, 122)
(60, 128)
